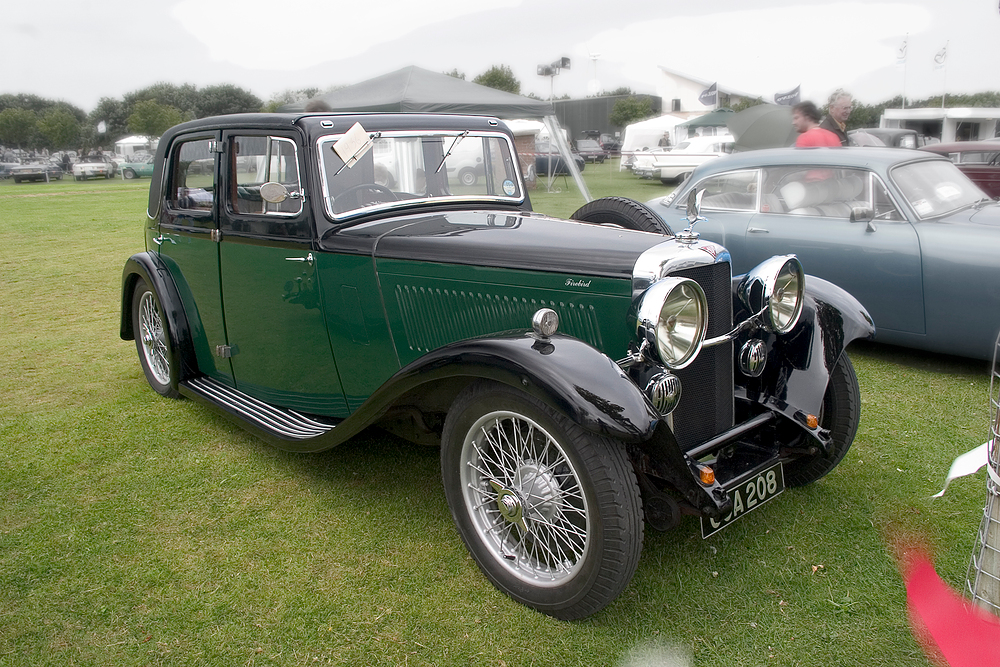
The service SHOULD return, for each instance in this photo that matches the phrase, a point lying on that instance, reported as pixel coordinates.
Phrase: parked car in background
(546, 358)
(137, 168)
(979, 160)
(591, 151)
(905, 232)
(546, 154)
(36, 171)
(610, 144)
(893, 137)
(675, 165)
(93, 166)
(5, 168)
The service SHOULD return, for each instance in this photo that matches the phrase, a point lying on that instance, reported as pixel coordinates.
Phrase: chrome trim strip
(515, 160)
(284, 422)
(665, 258)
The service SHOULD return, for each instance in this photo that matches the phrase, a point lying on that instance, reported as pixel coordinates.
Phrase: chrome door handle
(757, 230)
(161, 238)
(308, 259)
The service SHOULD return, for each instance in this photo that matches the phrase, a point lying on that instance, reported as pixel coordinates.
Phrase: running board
(279, 422)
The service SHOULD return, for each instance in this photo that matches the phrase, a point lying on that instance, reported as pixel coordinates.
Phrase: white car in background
(93, 166)
(673, 166)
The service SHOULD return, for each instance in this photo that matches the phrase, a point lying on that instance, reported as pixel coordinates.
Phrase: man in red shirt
(805, 120)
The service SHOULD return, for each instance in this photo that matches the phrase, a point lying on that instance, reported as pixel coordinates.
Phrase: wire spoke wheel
(525, 497)
(550, 512)
(152, 341)
(153, 338)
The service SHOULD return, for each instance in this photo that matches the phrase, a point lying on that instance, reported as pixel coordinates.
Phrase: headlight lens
(775, 287)
(673, 317)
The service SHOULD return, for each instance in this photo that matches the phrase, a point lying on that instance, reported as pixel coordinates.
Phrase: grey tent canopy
(416, 90)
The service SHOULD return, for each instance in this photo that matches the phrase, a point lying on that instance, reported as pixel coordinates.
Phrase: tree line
(32, 122)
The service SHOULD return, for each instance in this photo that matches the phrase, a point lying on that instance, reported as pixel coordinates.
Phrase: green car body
(141, 168)
(311, 275)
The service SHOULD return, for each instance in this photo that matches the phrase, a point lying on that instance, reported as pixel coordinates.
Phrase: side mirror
(273, 193)
(862, 214)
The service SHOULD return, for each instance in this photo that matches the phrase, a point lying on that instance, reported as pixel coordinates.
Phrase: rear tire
(622, 212)
(152, 342)
(551, 513)
(840, 414)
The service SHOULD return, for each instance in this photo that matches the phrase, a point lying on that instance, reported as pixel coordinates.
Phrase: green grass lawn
(136, 530)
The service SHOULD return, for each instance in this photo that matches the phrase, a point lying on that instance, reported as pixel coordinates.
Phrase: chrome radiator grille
(706, 407)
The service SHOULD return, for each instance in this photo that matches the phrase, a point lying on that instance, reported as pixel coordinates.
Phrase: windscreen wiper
(450, 149)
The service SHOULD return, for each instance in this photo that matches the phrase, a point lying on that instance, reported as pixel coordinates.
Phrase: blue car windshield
(935, 187)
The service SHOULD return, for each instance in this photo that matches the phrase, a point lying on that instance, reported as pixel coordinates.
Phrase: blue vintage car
(905, 232)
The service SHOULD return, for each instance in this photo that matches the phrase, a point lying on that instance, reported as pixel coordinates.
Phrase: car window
(404, 169)
(260, 160)
(935, 187)
(813, 191)
(975, 157)
(732, 191)
(885, 209)
(192, 180)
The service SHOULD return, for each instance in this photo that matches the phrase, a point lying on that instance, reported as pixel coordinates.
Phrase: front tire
(128, 174)
(152, 342)
(551, 513)
(840, 415)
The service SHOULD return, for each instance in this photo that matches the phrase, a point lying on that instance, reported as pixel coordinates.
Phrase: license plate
(748, 494)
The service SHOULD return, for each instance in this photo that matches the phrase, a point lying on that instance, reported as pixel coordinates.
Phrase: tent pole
(556, 135)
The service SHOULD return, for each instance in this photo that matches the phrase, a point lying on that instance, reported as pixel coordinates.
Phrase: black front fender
(800, 362)
(566, 373)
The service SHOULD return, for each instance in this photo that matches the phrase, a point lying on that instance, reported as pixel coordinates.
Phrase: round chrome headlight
(775, 288)
(673, 317)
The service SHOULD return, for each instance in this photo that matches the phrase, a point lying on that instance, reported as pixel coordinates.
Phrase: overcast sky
(83, 50)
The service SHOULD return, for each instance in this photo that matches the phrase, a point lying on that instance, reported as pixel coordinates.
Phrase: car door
(807, 211)
(275, 325)
(187, 246)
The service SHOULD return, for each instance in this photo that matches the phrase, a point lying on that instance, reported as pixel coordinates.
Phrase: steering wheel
(359, 190)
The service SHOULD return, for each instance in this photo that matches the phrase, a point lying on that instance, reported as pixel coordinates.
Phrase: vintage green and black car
(312, 275)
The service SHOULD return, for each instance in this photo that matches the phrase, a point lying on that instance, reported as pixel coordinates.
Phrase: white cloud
(766, 50)
(295, 34)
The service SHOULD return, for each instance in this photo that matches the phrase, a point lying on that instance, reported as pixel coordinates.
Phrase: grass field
(136, 530)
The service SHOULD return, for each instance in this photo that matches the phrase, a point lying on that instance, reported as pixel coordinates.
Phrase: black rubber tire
(840, 414)
(166, 384)
(573, 468)
(468, 177)
(128, 174)
(623, 212)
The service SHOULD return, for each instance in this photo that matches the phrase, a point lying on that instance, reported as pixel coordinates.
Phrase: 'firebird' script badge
(577, 283)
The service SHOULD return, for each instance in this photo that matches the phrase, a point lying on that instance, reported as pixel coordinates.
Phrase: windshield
(403, 169)
(935, 187)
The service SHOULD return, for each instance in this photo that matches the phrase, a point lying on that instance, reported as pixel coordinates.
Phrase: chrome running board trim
(283, 423)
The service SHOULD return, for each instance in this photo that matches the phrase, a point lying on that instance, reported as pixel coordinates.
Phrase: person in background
(665, 140)
(840, 111)
(805, 120)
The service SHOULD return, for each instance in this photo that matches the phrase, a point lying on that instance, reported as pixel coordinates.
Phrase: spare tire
(622, 212)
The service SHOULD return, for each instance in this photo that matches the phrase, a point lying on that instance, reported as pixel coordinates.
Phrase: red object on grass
(965, 635)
